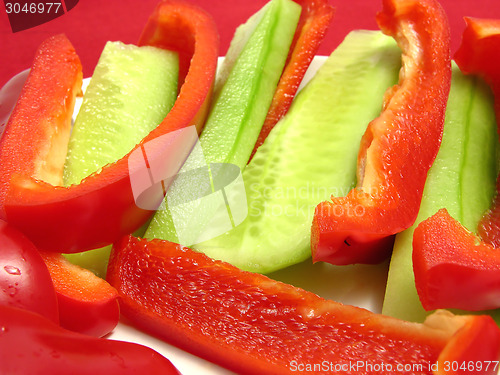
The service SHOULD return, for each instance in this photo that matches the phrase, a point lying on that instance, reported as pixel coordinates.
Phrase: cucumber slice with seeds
(243, 93)
(131, 91)
(310, 155)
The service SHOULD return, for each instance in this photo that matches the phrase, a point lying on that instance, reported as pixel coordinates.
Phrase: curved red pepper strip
(87, 303)
(311, 29)
(40, 123)
(453, 268)
(102, 207)
(251, 324)
(31, 344)
(398, 147)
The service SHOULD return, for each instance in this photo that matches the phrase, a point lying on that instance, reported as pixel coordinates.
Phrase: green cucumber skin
(244, 91)
(462, 179)
(95, 141)
(95, 260)
(242, 103)
(309, 155)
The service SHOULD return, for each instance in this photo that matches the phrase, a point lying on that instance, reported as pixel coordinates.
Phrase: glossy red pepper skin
(453, 267)
(87, 303)
(251, 324)
(104, 201)
(397, 148)
(25, 281)
(314, 21)
(37, 133)
(31, 344)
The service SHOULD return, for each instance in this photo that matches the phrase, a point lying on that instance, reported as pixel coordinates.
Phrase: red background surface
(93, 22)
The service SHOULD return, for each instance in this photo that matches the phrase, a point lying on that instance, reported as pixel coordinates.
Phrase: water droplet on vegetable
(12, 270)
(12, 291)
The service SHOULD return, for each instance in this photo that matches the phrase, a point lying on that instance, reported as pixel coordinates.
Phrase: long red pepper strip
(251, 324)
(398, 147)
(313, 23)
(453, 268)
(102, 208)
(31, 344)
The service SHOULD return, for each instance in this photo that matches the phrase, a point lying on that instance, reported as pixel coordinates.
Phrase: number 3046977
(33, 8)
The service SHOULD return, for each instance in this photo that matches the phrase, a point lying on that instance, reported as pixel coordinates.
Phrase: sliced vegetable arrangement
(147, 104)
(45, 212)
(297, 166)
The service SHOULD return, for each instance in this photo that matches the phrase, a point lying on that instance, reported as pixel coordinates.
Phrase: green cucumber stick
(130, 93)
(309, 155)
(462, 179)
(243, 93)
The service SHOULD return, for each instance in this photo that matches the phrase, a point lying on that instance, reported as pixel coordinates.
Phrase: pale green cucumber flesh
(462, 180)
(242, 98)
(130, 93)
(242, 104)
(309, 155)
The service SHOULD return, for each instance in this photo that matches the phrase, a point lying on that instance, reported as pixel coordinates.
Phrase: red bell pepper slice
(102, 208)
(36, 135)
(314, 20)
(397, 148)
(251, 324)
(25, 281)
(31, 344)
(87, 303)
(453, 268)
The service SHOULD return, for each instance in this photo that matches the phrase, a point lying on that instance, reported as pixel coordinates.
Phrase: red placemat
(93, 22)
